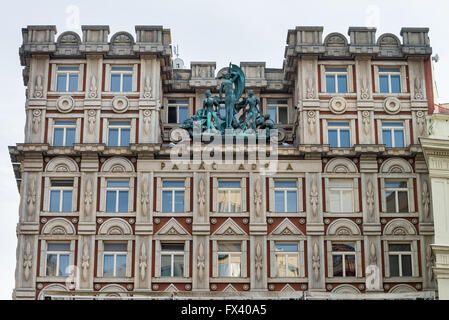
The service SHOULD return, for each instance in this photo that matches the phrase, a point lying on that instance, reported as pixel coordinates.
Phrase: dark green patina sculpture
(251, 119)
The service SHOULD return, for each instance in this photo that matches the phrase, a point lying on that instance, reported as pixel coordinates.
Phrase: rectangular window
(390, 80)
(178, 110)
(172, 259)
(285, 196)
(173, 196)
(61, 193)
(229, 196)
(58, 259)
(119, 133)
(336, 80)
(343, 259)
(64, 133)
(341, 195)
(121, 79)
(67, 78)
(229, 259)
(400, 258)
(287, 259)
(396, 195)
(278, 111)
(117, 193)
(339, 134)
(114, 259)
(393, 134)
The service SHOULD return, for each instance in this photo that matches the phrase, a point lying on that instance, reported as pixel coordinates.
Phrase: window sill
(116, 214)
(171, 280)
(343, 215)
(389, 95)
(289, 279)
(59, 214)
(127, 94)
(114, 279)
(400, 215)
(344, 279)
(51, 279)
(229, 214)
(338, 94)
(403, 279)
(286, 214)
(172, 214)
(65, 93)
(229, 280)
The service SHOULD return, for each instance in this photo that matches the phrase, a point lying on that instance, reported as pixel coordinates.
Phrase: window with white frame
(285, 196)
(67, 78)
(173, 195)
(119, 133)
(400, 259)
(58, 259)
(287, 259)
(229, 259)
(229, 196)
(61, 195)
(121, 78)
(117, 195)
(390, 80)
(278, 110)
(64, 133)
(343, 259)
(178, 110)
(172, 259)
(114, 259)
(336, 80)
(339, 133)
(396, 196)
(393, 134)
(341, 195)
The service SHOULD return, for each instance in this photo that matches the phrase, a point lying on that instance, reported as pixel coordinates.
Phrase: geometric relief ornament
(337, 105)
(120, 104)
(229, 228)
(399, 227)
(392, 105)
(286, 228)
(172, 227)
(65, 104)
(115, 226)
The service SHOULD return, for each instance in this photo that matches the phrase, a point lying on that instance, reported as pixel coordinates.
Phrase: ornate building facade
(105, 211)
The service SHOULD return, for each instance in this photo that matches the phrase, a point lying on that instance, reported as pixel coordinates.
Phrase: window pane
(396, 84)
(406, 265)
(403, 201)
(334, 201)
(115, 83)
(350, 265)
(386, 138)
(183, 114)
(394, 265)
(272, 113)
(58, 247)
(399, 139)
(70, 137)
(399, 247)
(223, 201)
(342, 84)
(108, 265)
(333, 139)
(347, 201)
(383, 83)
(280, 263)
(123, 201)
(330, 84)
(338, 124)
(283, 115)
(165, 266)
(395, 184)
(54, 200)
(179, 201)
(110, 201)
(73, 82)
(235, 265)
(279, 205)
(121, 266)
(285, 184)
(173, 184)
(229, 246)
(172, 115)
(58, 139)
(178, 266)
(127, 83)
(229, 184)
(287, 247)
(121, 68)
(61, 82)
(124, 137)
(343, 247)
(51, 264)
(292, 267)
(118, 183)
(235, 200)
(113, 137)
(66, 201)
(337, 263)
(64, 265)
(391, 201)
(117, 247)
(68, 68)
(223, 265)
(167, 201)
(292, 202)
(172, 246)
(344, 139)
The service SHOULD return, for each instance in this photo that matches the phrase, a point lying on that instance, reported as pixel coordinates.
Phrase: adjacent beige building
(104, 210)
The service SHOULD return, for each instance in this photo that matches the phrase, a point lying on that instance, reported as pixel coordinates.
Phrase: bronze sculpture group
(251, 120)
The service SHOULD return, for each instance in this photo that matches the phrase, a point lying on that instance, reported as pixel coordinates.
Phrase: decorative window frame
(128, 239)
(243, 258)
(341, 231)
(406, 119)
(243, 190)
(117, 168)
(337, 118)
(390, 170)
(291, 112)
(178, 96)
(402, 65)
(299, 195)
(122, 117)
(62, 168)
(401, 231)
(66, 63)
(115, 63)
(160, 177)
(349, 75)
(68, 117)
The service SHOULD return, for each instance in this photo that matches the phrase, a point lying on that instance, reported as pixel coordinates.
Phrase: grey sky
(205, 30)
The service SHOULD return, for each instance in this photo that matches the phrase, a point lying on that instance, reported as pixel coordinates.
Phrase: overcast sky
(205, 30)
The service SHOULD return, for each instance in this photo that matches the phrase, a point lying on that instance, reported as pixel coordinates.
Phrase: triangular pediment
(229, 228)
(230, 288)
(287, 289)
(172, 228)
(171, 288)
(286, 228)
